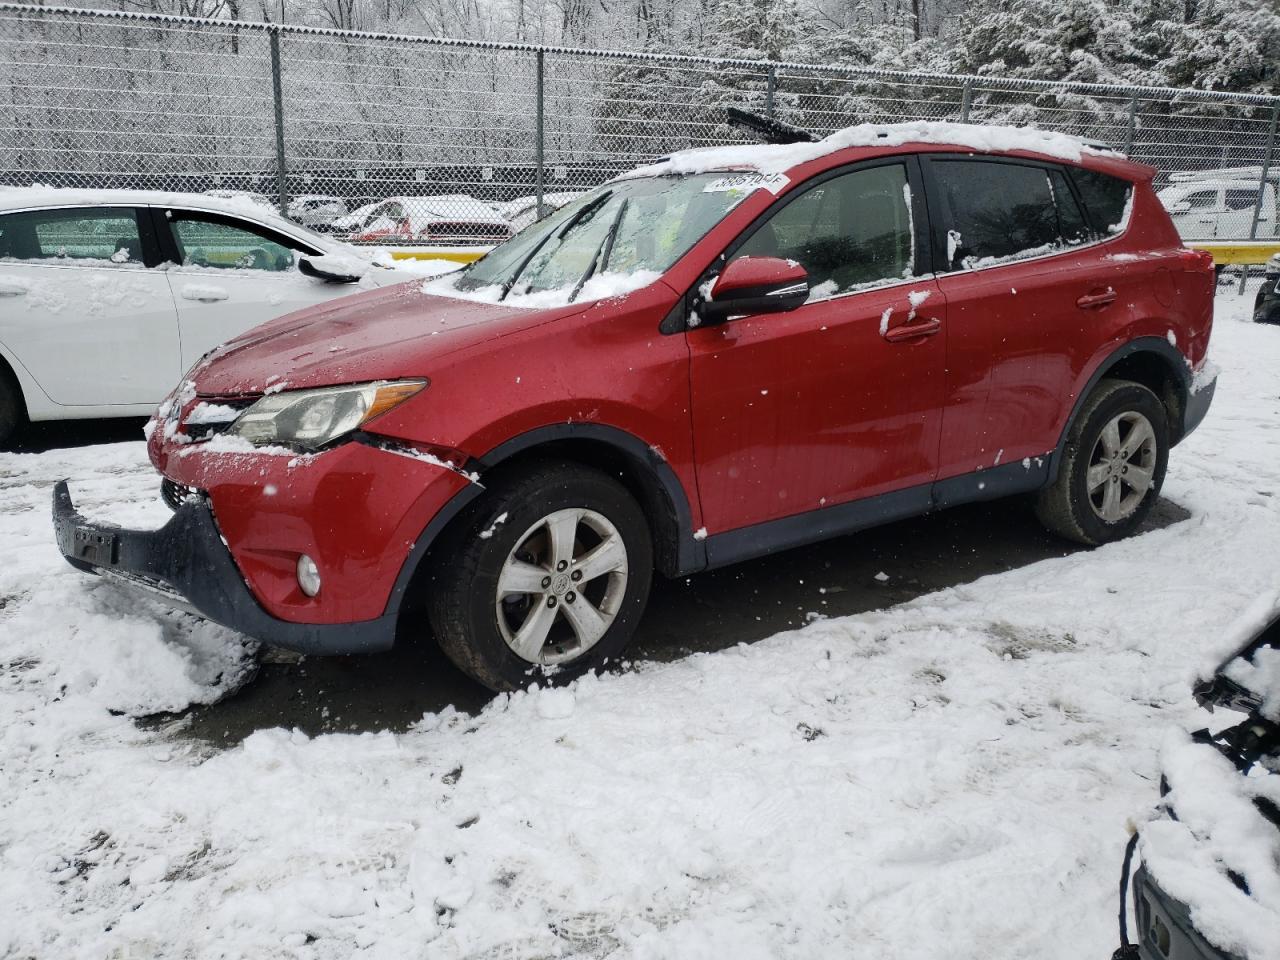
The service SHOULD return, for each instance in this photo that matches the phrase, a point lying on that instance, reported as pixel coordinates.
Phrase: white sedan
(107, 296)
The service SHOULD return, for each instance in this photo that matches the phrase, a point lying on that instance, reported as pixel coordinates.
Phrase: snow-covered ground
(950, 777)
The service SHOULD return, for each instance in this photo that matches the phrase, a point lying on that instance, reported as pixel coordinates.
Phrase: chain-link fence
(417, 140)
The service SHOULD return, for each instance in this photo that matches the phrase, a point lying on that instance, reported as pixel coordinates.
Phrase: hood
(383, 334)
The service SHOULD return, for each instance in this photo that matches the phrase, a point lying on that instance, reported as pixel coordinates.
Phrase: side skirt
(773, 536)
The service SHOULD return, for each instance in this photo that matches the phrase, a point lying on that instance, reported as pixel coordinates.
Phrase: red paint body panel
(802, 410)
(759, 418)
(356, 510)
(382, 334)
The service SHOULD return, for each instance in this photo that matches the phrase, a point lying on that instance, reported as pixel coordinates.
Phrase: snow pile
(778, 158)
(948, 777)
(602, 286)
(1217, 829)
(1260, 674)
(431, 267)
(76, 647)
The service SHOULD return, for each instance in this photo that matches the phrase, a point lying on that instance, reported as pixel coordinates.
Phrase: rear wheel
(547, 577)
(1112, 468)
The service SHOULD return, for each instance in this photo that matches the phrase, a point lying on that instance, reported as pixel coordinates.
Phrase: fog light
(308, 576)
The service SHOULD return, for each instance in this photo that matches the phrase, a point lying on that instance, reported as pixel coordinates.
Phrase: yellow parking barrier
(454, 254)
(1228, 252)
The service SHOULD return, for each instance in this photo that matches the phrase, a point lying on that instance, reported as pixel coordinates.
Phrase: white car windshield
(630, 227)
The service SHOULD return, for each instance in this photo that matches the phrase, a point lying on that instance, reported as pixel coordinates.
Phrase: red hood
(380, 335)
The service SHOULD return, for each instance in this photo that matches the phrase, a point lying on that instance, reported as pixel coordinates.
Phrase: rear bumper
(187, 563)
(1198, 403)
(1164, 928)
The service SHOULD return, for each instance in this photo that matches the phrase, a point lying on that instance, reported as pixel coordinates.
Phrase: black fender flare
(1173, 360)
(690, 552)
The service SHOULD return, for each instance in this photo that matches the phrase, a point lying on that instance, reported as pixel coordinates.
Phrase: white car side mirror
(332, 268)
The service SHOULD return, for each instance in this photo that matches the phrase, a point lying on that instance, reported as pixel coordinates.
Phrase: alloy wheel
(561, 586)
(1122, 466)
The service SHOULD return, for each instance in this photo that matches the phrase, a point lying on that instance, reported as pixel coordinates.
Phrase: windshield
(629, 228)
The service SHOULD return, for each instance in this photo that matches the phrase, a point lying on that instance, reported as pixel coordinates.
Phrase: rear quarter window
(1106, 199)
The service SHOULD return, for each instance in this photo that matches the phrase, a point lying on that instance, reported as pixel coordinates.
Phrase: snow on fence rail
(121, 99)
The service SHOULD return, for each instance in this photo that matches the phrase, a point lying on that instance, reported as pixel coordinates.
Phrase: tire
(508, 537)
(13, 412)
(1113, 510)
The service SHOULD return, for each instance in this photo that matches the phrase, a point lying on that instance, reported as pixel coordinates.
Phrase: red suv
(729, 353)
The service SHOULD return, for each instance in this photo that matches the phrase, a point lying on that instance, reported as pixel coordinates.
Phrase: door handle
(910, 331)
(9, 288)
(1208, 219)
(1092, 301)
(195, 291)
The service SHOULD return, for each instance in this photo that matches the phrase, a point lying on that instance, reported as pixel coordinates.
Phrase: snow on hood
(778, 158)
(603, 286)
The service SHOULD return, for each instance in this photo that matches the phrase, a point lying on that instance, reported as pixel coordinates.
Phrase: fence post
(1266, 173)
(771, 86)
(966, 101)
(1133, 125)
(1262, 192)
(277, 93)
(539, 162)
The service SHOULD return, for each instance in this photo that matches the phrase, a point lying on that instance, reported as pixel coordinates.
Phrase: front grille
(175, 494)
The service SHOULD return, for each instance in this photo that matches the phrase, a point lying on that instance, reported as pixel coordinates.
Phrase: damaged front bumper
(187, 564)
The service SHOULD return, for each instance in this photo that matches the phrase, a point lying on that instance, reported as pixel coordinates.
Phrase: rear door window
(1071, 219)
(995, 212)
(98, 236)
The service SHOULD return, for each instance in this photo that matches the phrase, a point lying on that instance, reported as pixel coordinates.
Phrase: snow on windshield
(616, 239)
(600, 287)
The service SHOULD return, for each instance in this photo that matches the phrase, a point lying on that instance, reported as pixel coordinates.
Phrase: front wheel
(1112, 468)
(548, 577)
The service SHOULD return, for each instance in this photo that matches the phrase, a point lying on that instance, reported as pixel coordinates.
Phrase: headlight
(312, 418)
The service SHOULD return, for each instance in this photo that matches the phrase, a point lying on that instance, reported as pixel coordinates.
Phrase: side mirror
(751, 285)
(332, 269)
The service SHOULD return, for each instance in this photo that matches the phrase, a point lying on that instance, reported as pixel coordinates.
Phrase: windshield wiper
(558, 234)
(602, 251)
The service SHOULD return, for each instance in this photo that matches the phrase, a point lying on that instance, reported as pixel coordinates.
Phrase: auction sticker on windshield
(747, 182)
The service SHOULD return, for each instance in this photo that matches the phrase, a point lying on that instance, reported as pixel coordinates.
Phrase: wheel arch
(9, 379)
(640, 468)
(636, 464)
(1151, 361)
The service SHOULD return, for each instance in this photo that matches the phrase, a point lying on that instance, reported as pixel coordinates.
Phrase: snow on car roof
(37, 197)
(424, 211)
(19, 198)
(778, 158)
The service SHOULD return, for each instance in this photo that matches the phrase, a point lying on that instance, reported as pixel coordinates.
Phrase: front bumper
(1165, 930)
(187, 564)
